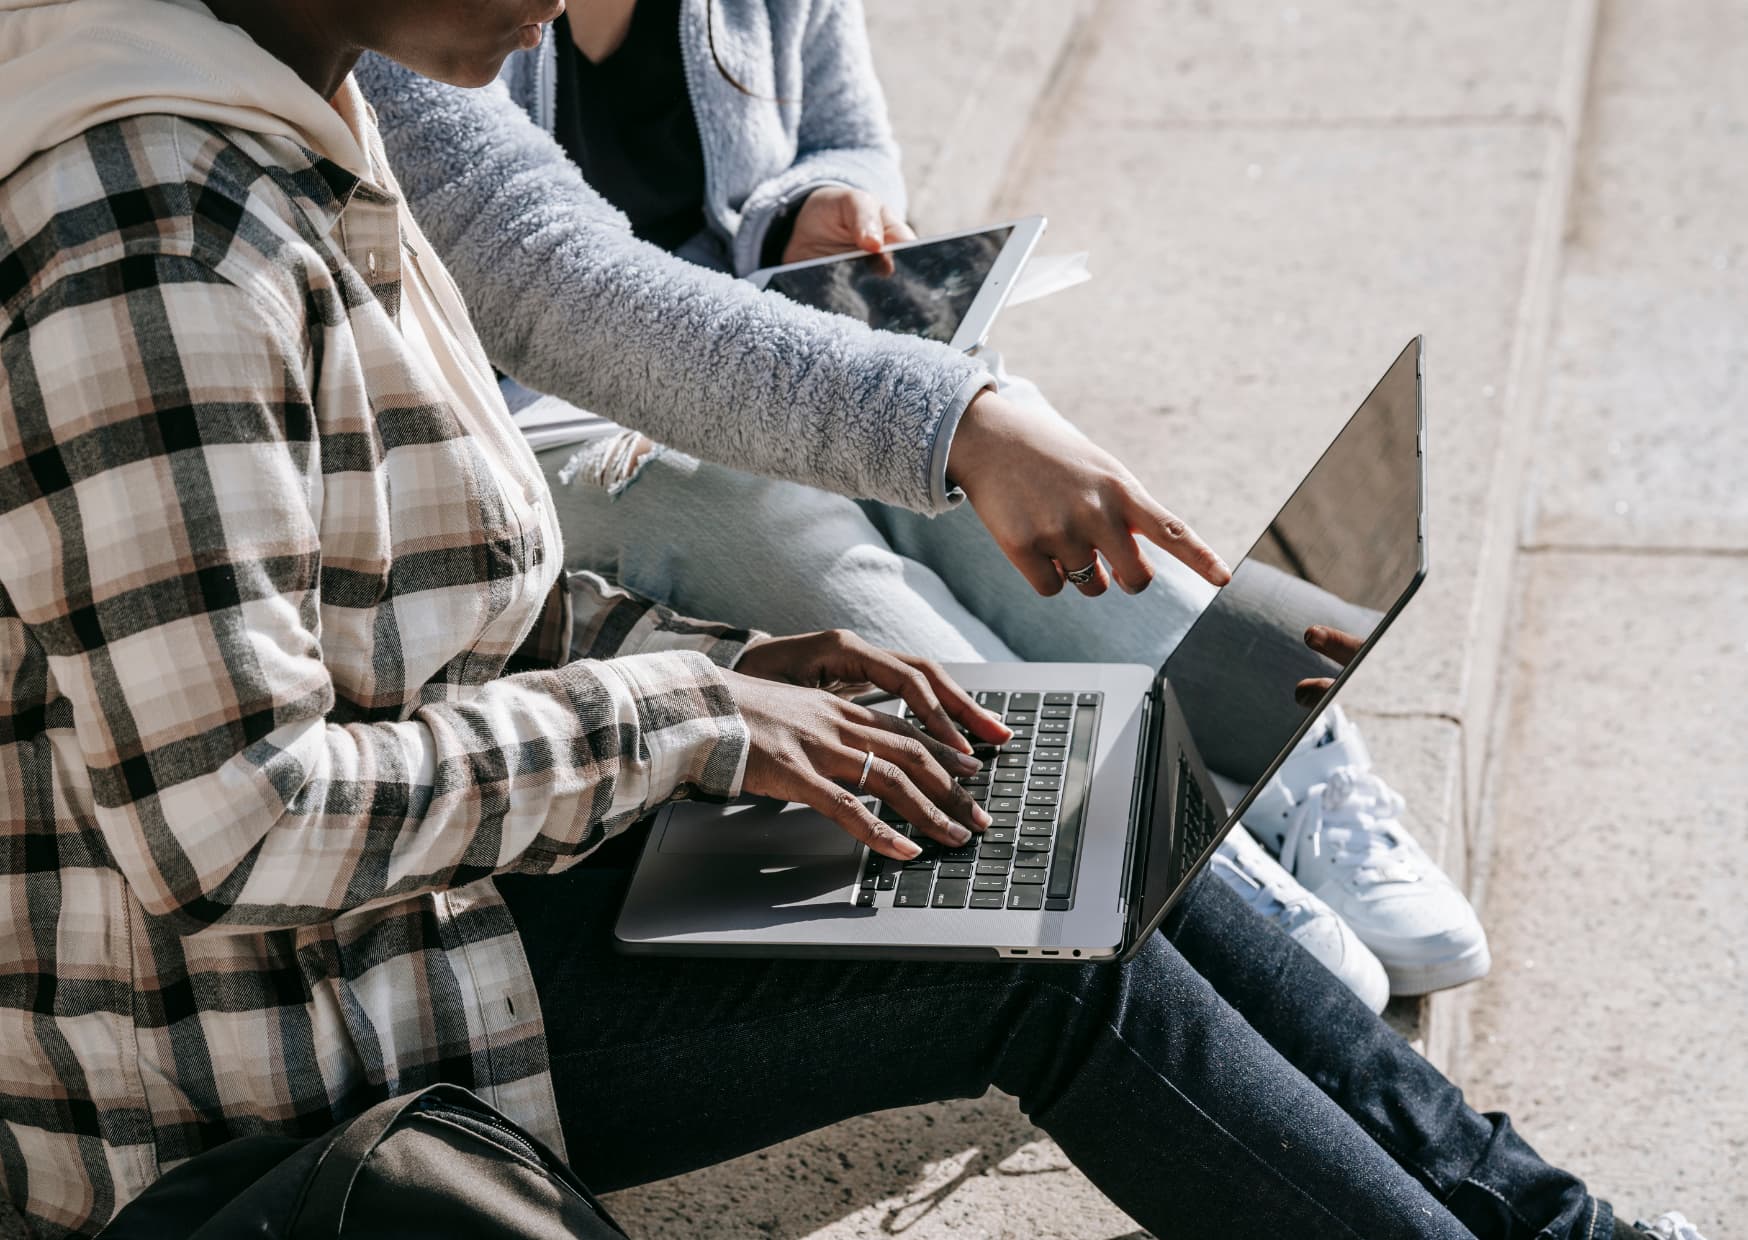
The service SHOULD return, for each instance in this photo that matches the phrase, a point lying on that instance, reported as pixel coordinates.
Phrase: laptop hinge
(1141, 812)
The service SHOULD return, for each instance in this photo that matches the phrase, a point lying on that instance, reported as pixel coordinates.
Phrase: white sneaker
(1335, 826)
(1671, 1225)
(1276, 895)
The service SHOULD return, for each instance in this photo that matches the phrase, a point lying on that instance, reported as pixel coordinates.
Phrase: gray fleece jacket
(567, 301)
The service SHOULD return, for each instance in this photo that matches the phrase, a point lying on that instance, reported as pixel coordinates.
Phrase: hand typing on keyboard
(809, 745)
(1034, 792)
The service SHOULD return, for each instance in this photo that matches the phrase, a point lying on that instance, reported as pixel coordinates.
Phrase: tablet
(946, 288)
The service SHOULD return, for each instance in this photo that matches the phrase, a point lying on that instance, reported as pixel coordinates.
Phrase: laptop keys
(950, 893)
(913, 889)
(1073, 811)
(1025, 860)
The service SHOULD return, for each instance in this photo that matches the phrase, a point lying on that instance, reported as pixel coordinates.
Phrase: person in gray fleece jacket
(569, 302)
(809, 468)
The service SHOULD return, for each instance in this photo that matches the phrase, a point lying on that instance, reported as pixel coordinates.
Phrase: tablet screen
(927, 292)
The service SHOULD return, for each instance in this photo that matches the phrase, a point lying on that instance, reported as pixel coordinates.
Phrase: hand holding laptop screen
(1338, 647)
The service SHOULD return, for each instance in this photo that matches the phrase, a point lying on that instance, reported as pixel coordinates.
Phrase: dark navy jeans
(1222, 1083)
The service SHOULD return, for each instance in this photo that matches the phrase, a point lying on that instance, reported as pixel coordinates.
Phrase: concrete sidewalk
(1276, 198)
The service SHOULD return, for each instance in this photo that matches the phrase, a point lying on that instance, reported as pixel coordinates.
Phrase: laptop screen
(1340, 555)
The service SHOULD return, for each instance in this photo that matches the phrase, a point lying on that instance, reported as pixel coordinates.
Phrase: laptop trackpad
(754, 827)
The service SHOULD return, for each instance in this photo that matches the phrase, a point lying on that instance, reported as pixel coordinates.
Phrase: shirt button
(370, 261)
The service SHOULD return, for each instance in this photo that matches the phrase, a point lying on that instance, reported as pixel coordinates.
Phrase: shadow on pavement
(902, 1172)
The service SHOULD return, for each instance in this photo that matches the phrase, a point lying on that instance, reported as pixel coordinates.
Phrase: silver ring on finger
(1081, 576)
(867, 766)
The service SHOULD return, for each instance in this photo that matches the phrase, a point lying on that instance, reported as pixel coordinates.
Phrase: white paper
(1044, 276)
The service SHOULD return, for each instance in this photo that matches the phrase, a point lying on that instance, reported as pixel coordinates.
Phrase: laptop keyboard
(1199, 824)
(1034, 788)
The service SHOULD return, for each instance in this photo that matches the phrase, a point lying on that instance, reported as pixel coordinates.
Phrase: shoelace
(1352, 817)
(1260, 895)
(1670, 1226)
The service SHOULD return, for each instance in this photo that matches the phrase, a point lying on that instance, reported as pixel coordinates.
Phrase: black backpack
(436, 1163)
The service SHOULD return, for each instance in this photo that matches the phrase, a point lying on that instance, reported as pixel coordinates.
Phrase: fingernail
(908, 848)
(967, 763)
(958, 834)
(1223, 571)
(980, 816)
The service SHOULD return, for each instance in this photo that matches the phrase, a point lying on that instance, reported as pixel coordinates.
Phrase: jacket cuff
(760, 220)
(690, 728)
(942, 492)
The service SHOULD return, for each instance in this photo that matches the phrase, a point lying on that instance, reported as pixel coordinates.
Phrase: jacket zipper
(692, 93)
(545, 78)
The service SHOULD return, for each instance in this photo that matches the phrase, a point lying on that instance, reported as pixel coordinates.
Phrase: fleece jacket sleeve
(568, 302)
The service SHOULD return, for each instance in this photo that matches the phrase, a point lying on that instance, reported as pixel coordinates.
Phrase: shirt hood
(69, 65)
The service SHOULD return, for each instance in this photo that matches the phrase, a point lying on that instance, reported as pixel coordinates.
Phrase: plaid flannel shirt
(259, 753)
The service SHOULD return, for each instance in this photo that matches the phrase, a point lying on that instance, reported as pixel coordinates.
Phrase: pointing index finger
(1173, 536)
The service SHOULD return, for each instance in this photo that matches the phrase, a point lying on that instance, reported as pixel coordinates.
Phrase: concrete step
(1615, 1025)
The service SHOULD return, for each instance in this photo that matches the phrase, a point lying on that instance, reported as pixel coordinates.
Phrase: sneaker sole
(1424, 977)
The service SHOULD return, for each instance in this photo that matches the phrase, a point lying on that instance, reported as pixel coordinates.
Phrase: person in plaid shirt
(270, 547)
(300, 718)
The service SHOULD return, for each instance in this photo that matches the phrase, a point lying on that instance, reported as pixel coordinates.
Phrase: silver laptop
(1103, 804)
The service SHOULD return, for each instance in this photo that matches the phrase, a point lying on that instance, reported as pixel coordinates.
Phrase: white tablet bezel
(991, 295)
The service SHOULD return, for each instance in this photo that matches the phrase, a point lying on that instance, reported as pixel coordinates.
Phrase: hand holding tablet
(946, 288)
